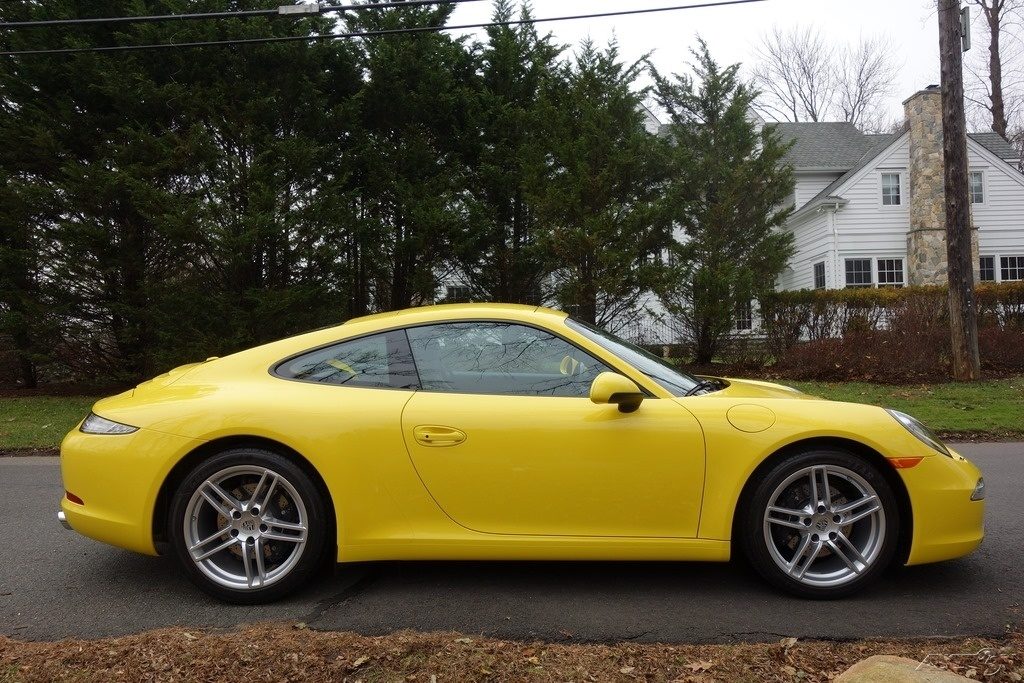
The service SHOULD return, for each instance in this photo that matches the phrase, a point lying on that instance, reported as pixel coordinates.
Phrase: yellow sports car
(507, 433)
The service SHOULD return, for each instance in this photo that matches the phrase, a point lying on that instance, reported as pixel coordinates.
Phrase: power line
(283, 11)
(370, 34)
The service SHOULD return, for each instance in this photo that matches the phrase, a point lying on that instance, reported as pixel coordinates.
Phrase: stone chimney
(926, 235)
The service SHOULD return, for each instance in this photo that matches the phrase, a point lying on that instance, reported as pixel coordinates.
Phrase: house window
(987, 269)
(744, 316)
(458, 294)
(977, 187)
(1011, 268)
(890, 272)
(819, 275)
(858, 273)
(891, 189)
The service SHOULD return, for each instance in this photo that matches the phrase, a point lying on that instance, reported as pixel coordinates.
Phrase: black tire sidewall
(751, 527)
(312, 499)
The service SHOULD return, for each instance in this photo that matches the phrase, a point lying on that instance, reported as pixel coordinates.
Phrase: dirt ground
(292, 652)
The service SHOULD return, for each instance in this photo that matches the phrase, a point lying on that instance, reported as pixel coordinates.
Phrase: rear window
(381, 361)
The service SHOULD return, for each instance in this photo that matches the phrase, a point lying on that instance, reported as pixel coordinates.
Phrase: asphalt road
(57, 584)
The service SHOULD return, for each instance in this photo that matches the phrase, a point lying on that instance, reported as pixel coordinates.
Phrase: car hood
(748, 388)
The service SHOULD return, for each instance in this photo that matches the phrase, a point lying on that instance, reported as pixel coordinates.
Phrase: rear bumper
(947, 523)
(118, 478)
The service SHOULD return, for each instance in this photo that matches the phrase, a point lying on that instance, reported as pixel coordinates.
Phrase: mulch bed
(292, 652)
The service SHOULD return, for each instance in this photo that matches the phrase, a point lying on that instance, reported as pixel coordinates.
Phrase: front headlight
(94, 424)
(915, 427)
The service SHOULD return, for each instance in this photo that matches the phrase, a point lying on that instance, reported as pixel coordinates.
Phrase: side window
(382, 361)
(500, 359)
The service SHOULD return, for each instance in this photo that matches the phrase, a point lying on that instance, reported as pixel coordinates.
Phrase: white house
(869, 209)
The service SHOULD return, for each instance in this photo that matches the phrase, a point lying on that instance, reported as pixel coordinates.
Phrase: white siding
(867, 228)
(809, 185)
(812, 241)
(1000, 219)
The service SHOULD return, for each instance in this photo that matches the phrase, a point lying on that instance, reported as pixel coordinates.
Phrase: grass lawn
(39, 421)
(985, 408)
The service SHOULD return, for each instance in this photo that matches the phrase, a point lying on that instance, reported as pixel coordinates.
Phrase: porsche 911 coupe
(500, 432)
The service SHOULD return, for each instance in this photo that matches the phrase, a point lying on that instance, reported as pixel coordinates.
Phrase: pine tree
(411, 171)
(602, 195)
(499, 254)
(729, 200)
(190, 202)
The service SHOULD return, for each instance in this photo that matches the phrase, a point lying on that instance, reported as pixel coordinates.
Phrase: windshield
(661, 371)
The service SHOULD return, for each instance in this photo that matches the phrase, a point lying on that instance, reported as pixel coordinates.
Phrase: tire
(248, 526)
(828, 550)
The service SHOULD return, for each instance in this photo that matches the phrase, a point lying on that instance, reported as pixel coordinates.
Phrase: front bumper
(947, 523)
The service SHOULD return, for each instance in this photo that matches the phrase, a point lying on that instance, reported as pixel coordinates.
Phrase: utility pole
(963, 318)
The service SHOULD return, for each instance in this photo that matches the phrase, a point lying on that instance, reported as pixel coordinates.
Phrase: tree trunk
(704, 349)
(995, 68)
(23, 349)
(963, 319)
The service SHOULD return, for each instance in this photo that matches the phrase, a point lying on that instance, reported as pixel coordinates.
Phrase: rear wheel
(248, 526)
(821, 524)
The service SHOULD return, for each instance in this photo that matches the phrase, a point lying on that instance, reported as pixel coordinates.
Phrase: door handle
(438, 437)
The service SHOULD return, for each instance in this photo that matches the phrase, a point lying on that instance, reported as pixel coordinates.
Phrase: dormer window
(891, 195)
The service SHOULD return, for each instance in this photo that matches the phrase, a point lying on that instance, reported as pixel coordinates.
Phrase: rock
(888, 669)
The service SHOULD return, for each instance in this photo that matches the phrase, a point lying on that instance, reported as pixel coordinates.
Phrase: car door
(505, 439)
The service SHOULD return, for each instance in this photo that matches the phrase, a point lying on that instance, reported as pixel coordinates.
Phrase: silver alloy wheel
(246, 527)
(824, 525)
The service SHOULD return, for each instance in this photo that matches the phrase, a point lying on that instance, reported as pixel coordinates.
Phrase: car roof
(456, 311)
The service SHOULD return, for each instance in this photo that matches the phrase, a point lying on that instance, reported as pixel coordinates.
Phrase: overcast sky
(732, 32)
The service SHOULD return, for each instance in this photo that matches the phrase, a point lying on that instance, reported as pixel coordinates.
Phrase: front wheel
(821, 524)
(248, 526)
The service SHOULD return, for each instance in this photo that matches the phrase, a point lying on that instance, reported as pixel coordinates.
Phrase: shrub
(1002, 350)
(891, 335)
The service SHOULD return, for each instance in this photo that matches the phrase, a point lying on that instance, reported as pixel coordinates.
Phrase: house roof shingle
(995, 143)
(838, 146)
(841, 146)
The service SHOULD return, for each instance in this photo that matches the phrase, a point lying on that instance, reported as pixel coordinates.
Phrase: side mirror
(611, 388)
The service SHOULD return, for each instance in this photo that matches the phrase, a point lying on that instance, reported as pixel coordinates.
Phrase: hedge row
(885, 334)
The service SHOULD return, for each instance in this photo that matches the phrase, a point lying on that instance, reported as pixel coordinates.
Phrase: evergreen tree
(196, 201)
(411, 171)
(500, 254)
(602, 195)
(729, 199)
(97, 156)
(275, 129)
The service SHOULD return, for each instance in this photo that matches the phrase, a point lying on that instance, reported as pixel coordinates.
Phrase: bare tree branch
(802, 76)
(865, 76)
(795, 74)
(995, 88)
